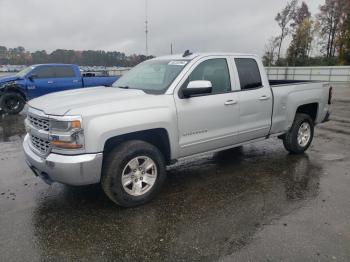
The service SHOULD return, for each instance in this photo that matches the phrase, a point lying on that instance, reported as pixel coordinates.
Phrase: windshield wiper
(124, 87)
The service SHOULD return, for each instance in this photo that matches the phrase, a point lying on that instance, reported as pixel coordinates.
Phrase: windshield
(153, 76)
(25, 71)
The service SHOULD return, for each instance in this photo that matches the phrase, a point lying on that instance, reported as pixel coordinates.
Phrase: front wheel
(12, 103)
(133, 173)
(299, 137)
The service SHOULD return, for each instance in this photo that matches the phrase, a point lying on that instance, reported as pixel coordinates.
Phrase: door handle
(75, 81)
(230, 102)
(50, 82)
(264, 98)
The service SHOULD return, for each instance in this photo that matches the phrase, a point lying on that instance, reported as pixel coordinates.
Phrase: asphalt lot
(252, 204)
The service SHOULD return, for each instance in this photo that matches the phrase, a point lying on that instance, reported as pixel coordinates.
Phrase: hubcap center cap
(138, 174)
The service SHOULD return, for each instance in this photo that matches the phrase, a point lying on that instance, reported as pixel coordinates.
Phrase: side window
(64, 71)
(44, 72)
(214, 70)
(249, 74)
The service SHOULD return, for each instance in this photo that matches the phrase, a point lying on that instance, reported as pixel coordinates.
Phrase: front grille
(39, 123)
(43, 146)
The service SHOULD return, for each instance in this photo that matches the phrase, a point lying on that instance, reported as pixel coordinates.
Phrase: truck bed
(294, 94)
(91, 81)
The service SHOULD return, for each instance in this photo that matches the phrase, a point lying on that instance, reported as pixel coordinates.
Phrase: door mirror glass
(198, 87)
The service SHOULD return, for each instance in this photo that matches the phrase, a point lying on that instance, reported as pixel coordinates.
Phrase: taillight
(330, 95)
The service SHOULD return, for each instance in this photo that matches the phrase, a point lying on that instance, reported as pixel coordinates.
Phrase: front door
(209, 121)
(49, 79)
(43, 80)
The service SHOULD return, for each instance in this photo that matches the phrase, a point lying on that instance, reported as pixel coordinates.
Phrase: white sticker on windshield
(178, 63)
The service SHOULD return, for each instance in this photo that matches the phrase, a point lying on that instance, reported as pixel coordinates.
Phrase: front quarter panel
(19, 85)
(98, 129)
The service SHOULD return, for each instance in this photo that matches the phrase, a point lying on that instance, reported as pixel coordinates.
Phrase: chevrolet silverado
(166, 109)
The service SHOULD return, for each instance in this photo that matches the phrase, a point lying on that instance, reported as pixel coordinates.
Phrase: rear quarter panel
(287, 99)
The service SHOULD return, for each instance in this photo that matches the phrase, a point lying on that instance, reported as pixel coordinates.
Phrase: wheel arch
(310, 109)
(14, 89)
(158, 137)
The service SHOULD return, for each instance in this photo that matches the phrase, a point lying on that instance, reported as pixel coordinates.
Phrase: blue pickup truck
(38, 80)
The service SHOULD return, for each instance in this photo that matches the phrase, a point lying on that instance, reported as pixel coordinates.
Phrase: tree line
(20, 56)
(322, 39)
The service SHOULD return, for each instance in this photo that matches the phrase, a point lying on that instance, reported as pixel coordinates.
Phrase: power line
(146, 25)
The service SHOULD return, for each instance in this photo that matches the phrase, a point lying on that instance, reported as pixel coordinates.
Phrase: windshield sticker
(178, 63)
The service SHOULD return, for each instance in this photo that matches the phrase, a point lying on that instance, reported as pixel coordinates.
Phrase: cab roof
(199, 55)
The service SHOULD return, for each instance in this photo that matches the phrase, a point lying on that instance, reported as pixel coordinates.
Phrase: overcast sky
(199, 25)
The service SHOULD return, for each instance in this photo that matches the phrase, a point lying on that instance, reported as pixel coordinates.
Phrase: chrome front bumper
(75, 170)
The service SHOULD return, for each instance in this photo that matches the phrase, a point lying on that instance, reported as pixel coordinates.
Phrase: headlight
(64, 126)
(66, 134)
(8, 84)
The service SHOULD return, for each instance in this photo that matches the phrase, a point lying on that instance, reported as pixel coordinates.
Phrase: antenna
(146, 25)
(187, 53)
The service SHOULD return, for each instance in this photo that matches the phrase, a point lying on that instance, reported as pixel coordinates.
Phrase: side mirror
(198, 87)
(32, 77)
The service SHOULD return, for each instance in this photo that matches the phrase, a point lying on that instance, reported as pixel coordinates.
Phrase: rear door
(66, 78)
(210, 121)
(255, 101)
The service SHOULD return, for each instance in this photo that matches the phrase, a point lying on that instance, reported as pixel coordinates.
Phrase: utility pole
(146, 25)
(171, 48)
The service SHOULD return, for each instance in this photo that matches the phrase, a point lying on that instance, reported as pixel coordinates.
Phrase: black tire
(290, 139)
(118, 159)
(12, 103)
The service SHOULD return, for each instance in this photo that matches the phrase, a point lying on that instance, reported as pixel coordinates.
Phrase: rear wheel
(133, 173)
(12, 103)
(299, 137)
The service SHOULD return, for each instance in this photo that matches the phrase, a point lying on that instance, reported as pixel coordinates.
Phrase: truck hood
(79, 101)
(6, 79)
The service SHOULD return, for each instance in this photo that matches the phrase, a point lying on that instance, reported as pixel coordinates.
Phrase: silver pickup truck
(163, 110)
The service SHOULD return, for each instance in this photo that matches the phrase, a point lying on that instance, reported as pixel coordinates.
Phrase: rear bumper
(71, 170)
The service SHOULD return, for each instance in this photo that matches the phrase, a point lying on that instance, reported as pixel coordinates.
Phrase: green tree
(298, 51)
(63, 56)
(344, 51)
(270, 54)
(331, 17)
(19, 56)
(302, 28)
(40, 57)
(283, 19)
(3, 55)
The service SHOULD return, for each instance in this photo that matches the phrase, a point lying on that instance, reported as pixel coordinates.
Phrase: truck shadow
(210, 206)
